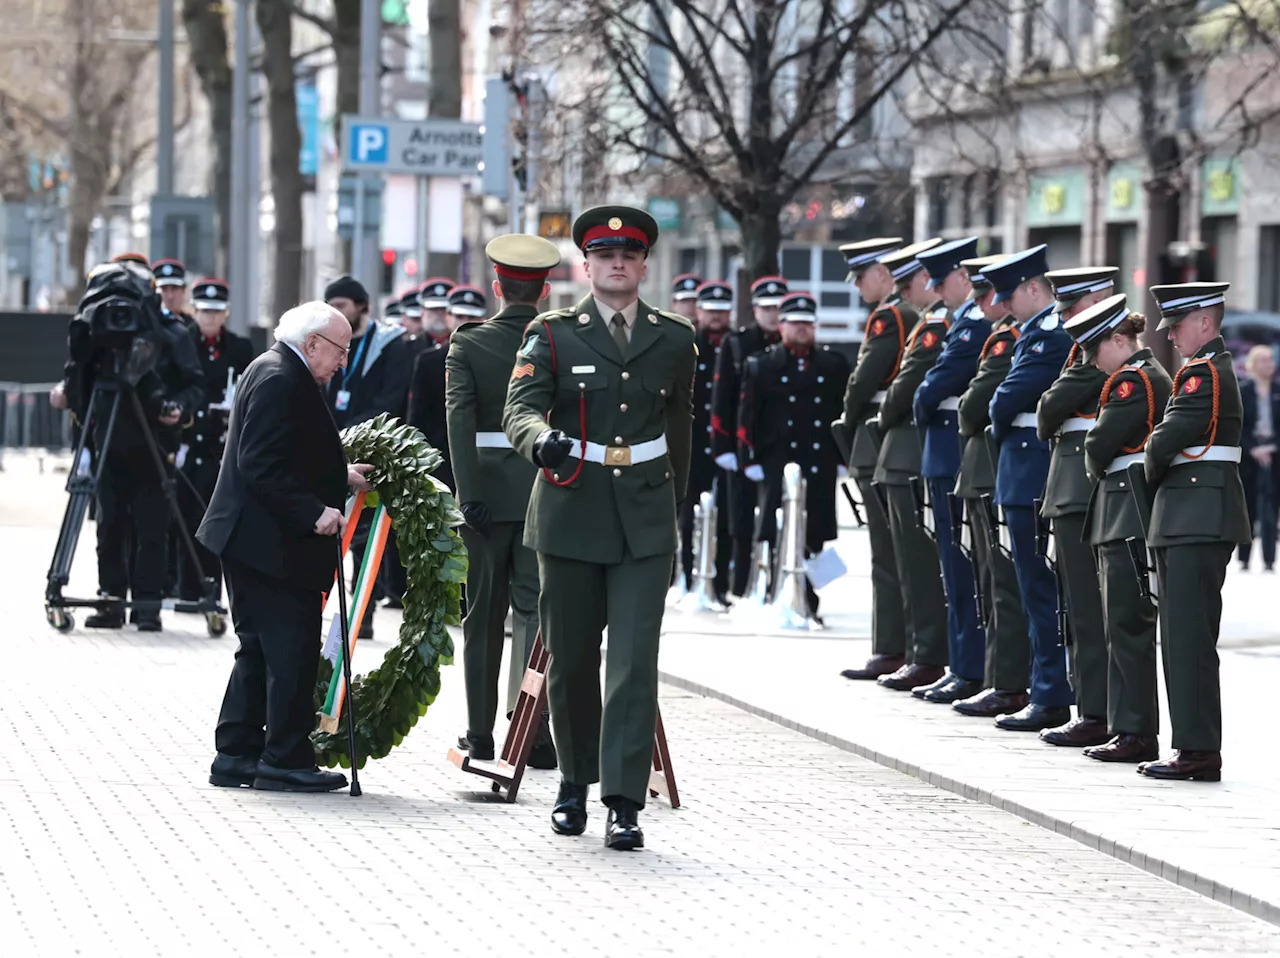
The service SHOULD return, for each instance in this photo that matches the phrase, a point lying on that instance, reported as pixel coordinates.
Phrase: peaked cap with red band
(615, 227)
(522, 256)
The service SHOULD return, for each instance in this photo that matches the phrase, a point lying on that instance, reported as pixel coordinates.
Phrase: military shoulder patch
(530, 345)
(519, 372)
(877, 327)
(928, 339)
(999, 346)
(965, 335)
(1124, 390)
(1192, 385)
(1038, 348)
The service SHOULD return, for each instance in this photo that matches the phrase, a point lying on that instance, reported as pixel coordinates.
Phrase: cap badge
(615, 223)
(211, 291)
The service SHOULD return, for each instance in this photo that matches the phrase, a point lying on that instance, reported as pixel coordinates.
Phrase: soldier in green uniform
(1064, 416)
(1132, 402)
(601, 398)
(1198, 516)
(859, 445)
(493, 485)
(919, 572)
(1008, 647)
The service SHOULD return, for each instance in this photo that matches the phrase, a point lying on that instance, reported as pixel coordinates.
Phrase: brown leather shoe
(910, 676)
(1078, 733)
(1186, 765)
(1127, 748)
(876, 666)
(993, 702)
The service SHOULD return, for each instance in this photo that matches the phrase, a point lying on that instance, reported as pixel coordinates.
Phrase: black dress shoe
(149, 622)
(543, 753)
(478, 745)
(106, 619)
(953, 691)
(1081, 732)
(1127, 748)
(1034, 717)
(569, 816)
(992, 702)
(272, 779)
(876, 666)
(909, 676)
(1186, 765)
(622, 830)
(366, 627)
(921, 690)
(233, 771)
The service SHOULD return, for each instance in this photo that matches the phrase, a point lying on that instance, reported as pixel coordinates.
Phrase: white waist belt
(492, 440)
(881, 396)
(1120, 463)
(640, 452)
(950, 404)
(1215, 454)
(1076, 424)
(1024, 420)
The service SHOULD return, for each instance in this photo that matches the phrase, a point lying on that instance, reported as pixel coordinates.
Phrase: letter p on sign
(368, 143)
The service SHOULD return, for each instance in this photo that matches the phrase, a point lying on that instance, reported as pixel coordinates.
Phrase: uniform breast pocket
(573, 383)
(658, 386)
(1189, 502)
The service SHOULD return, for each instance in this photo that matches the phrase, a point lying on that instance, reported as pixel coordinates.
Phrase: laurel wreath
(390, 699)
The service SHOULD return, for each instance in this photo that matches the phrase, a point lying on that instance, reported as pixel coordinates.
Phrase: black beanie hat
(346, 287)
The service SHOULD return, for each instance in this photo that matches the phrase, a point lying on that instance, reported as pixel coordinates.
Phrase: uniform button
(814, 469)
(617, 440)
(617, 473)
(1122, 485)
(702, 365)
(199, 438)
(817, 399)
(623, 407)
(792, 398)
(200, 414)
(817, 446)
(790, 423)
(662, 392)
(793, 445)
(707, 407)
(582, 385)
(784, 379)
(667, 475)
(707, 450)
(817, 422)
(200, 462)
(819, 379)
(1024, 444)
(626, 375)
(1194, 478)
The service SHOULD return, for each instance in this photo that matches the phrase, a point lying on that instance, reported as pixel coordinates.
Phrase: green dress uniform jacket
(1132, 402)
(605, 532)
(1198, 516)
(1008, 647)
(1064, 415)
(924, 602)
(503, 571)
(858, 440)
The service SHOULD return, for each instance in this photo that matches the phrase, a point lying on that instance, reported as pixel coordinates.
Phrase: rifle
(962, 535)
(1144, 566)
(924, 508)
(1045, 549)
(853, 504)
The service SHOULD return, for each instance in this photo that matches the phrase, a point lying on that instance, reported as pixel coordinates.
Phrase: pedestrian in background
(1259, 469)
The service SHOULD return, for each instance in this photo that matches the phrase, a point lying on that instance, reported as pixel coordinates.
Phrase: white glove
(842, 472)
(727, 461)
(754, 472)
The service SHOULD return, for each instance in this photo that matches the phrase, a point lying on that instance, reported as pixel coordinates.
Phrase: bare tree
(749, 102)
(444, 95)
(206, 27)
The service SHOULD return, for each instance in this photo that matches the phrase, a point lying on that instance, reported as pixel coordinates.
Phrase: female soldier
(1132, 402)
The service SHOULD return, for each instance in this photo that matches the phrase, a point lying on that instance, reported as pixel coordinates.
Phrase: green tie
(620, 333)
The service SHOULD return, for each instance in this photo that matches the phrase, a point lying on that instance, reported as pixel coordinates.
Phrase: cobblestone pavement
(111, 842)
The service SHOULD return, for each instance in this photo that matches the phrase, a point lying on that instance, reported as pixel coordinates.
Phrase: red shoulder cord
(1151, 403)
(582, 418)
(902, 342)
(1213, 422)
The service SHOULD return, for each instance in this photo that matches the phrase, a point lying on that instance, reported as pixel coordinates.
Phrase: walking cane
(346, 673)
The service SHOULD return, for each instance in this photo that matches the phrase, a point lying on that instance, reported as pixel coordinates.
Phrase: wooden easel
(508, 771)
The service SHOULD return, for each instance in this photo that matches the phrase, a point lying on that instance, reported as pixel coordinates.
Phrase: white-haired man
(272, 519)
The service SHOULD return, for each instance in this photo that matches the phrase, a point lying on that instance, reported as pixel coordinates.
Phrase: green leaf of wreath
(390, 699)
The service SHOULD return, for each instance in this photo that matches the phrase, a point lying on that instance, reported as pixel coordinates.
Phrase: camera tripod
(82, 488)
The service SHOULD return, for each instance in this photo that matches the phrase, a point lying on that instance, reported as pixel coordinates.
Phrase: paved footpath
(112, 843)
(1222, 840)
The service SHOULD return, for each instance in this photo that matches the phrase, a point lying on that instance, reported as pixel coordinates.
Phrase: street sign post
(432, 147)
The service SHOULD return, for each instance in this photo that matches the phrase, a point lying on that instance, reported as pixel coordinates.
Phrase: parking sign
(368, 143)
(431, 147)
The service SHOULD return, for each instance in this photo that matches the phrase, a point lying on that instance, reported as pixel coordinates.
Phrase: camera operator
(121, 334)
(220, 352)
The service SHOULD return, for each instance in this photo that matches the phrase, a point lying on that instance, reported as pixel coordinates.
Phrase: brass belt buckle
(617, 455)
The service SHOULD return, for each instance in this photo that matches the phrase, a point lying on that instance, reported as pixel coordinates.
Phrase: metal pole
(237, 266)
(164, 136)
(365, 248)
(253, 203)
(423, 237)
(533, 144)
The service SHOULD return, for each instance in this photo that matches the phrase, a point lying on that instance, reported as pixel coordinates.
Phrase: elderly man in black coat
(275, 511)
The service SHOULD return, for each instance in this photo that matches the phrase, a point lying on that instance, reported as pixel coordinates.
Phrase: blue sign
(308, 97)
(368, 143)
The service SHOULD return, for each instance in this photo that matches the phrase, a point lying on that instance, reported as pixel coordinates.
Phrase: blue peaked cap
(1006, 275)
(942, 260)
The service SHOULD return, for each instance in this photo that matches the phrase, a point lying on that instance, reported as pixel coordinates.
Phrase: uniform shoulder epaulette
(675, 318)
(939, 313)
(465, 327)
(568, 312)
(975, 312)
(1051, 322)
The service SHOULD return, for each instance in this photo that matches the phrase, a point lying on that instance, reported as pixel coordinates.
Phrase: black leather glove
(551, 448)
(477, 517)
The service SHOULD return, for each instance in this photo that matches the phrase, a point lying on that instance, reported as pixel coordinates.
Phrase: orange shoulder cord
(915, 333)
(902, 339)
(1151, 403)
(986, 347)
(1213, 421)
(582, 419)
(1071, 356)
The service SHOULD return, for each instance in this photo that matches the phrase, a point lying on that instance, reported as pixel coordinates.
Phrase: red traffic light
(388, 257)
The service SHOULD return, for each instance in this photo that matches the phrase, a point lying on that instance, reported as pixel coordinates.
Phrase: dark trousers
(191, 575)
(1191, 578)
(503, 572)
(724, 541)
(888, 628)
(610, 743)
(1133, 705)
(1262, 502)
(966, 642)
(273, 682)
(1049, 685)
(1087, 653)
(742, 527)
(133, 525)
(924, 604)
(1008, 646)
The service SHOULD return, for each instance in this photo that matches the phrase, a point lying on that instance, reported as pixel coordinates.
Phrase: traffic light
(388, 271)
